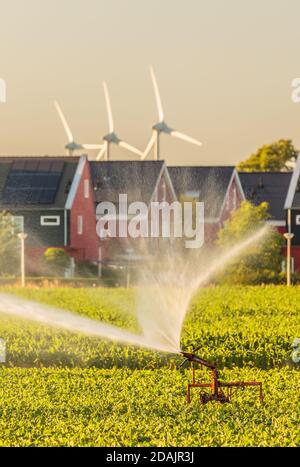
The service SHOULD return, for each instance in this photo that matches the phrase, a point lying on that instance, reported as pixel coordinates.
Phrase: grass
(63, 389)
(121, 407)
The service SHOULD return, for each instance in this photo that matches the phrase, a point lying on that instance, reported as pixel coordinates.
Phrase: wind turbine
(112, 137)
(72, 146)
(162, 127)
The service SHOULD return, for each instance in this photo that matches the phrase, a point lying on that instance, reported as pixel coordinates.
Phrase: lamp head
(22, 236)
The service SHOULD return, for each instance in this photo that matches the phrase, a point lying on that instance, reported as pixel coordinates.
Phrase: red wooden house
(218, 187)
(271, 187)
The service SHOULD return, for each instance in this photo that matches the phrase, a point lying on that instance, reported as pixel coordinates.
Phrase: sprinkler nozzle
(194, 358)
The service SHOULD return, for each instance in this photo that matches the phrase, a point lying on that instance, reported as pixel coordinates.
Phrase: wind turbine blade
(101, 153)
(157, 95)
(149, 146)
(108, 107)
(130, 148)
(184, 137)
(92, 146)
(64, 122)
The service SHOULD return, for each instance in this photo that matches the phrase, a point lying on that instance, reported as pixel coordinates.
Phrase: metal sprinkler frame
(216, 392)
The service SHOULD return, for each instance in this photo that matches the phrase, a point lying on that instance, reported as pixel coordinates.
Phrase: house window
(234, 198)
(164, 191)
(18, 224)
(298, 219)
(86, 188)
(192, 194)
(79, 225)
(50, 220)
(283, 265)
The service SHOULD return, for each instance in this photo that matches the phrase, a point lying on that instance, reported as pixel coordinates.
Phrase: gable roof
(207, 184)
(293, 194)
(137, 179)
(35, 182)
(271, 187)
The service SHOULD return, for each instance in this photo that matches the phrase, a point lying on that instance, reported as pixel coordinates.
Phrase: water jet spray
(163, 300)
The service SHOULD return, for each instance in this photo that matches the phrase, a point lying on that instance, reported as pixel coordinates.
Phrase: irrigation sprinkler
(215, 385)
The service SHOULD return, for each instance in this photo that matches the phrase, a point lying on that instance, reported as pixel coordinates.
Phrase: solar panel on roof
(48, 182)
(47, 197)
(44, 166)
(57, 166)
(33, 196)
(18, 165)
(31, 165)
(33, 182)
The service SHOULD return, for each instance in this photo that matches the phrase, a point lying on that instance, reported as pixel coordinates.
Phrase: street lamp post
(100, 262)
(288, 237)
(22, 236)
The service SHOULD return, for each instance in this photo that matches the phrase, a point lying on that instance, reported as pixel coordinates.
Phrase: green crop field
(61, 388)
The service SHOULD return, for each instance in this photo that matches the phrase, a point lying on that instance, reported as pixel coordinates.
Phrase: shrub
(263, 261)
(57, 260)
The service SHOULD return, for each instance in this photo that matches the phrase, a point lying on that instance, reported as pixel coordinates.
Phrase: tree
(9, 245)
(57, 259)
(277, 156)
(262, 262)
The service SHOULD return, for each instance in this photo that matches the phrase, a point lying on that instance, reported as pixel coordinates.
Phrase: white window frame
(192, 194)
(86, 188)
(54, 222)
(79, 225)
(227, 205)
(284, 264)
(164, 191)
(234, 195)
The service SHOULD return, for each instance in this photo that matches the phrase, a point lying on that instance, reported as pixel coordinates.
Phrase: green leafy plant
(264, 262)
(120, 407)
(9, 245)
(57, 260)
(277, 156)
(62, 388)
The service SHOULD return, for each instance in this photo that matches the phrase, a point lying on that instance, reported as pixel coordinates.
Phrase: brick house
(218, 187)
(271, 187)
(144, 181)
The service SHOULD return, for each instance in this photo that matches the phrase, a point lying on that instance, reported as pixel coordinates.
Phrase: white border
(293, 185)
(44, 222)
(75, 182)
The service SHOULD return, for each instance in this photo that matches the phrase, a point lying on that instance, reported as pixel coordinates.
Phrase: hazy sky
(224, 69)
